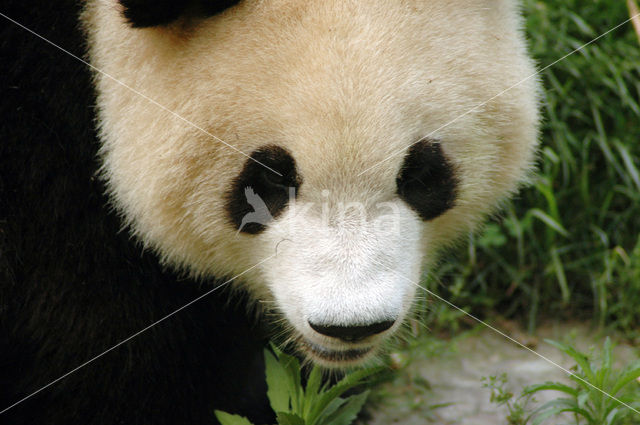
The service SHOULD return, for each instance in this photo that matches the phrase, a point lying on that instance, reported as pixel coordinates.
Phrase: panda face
(324, 150)
(346, 265)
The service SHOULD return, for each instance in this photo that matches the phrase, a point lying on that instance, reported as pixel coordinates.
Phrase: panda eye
(278, 180)
(258, 194)
(427, 181)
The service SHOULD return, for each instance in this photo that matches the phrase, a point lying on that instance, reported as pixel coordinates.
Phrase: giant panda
(187, 179)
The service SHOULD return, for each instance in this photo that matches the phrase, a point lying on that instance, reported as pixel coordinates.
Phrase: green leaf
(605, 368)
(329, 410)
(549, 221)
(542, 417)
(283, 381)
(583, 398)
(348, 411)
(584, 27)
(612, 416)
(556, 406)
(580, 359)
(289, 419)
(294, 387)
(228, 419)
(277, 380)
(492, 236)
(628, 160)
(349, 381)
(628, 375)
(314, 381)
(313, 386)
(554, 386)
(560, 275)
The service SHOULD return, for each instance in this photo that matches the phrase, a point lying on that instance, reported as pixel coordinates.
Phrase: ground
(454, 375)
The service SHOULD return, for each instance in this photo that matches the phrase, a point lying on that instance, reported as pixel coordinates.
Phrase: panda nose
(352, 333)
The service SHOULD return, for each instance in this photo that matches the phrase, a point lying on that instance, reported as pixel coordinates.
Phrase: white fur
(348, 272)
(341, 84)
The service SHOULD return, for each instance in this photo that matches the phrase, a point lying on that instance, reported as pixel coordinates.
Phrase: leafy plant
(601, 395)
(317, 403)
(620, 282)
(516, 406)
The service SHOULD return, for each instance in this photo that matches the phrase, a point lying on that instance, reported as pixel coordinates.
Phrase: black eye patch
(427, 180)
(258, 194)
(151, 13)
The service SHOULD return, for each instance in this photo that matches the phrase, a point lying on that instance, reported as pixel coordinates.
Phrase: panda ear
(151, 13)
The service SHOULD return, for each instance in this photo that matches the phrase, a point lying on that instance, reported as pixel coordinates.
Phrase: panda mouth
(337, 356)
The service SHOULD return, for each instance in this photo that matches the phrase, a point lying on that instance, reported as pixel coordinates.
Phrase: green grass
(569, 246)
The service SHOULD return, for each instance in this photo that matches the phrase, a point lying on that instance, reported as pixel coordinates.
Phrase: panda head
(321, 151)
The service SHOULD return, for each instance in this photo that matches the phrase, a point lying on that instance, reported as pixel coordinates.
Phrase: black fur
(150, 13)
(427, 180)
(72, 285)
(273, 189)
